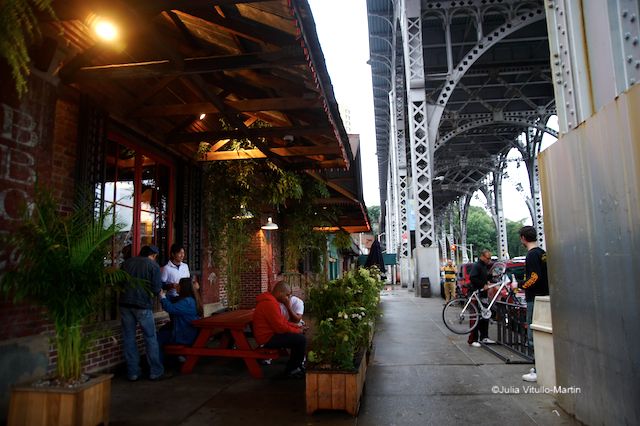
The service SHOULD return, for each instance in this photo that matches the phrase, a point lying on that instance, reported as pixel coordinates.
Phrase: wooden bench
(233, 345)
(257, 353)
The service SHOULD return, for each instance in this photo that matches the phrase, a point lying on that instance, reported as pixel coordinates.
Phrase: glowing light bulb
(202, 116)
(106, 30)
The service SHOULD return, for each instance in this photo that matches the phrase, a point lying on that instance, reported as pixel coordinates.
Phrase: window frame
(140, 151)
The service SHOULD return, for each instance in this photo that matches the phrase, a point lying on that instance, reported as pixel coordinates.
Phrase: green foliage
(374, 216)
(232, 189)
(18, 27)
(237, 239)
(285, 186)
(481, 231)
(346, 309)
(62, 267)
(302, 216)
(513, 238)
(342, 240)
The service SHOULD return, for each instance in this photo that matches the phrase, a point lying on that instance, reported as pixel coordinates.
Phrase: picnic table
(234, 343)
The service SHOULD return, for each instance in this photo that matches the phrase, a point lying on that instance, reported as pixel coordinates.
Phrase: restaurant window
(137, 191)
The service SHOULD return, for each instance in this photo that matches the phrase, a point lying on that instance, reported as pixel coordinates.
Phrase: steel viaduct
(457, 85)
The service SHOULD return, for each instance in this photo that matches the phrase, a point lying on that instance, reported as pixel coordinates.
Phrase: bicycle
(461, 315)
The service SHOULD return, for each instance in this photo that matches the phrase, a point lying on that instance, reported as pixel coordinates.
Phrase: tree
(513, 238)
(481, 231)
(374, 216)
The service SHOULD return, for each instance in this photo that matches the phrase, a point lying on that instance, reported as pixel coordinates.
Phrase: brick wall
(105, 352)
(38, 142)
(65, 142)
(252, 279)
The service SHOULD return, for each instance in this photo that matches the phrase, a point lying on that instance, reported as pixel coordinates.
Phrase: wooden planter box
(335, 390)
(86, 405)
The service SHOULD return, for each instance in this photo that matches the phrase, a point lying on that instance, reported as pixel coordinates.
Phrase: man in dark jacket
(136, 304)
(479, 278)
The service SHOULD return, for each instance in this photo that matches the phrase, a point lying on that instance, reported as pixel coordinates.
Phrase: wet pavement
(420, 374)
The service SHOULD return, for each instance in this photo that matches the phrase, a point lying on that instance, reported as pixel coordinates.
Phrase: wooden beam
(261, 132)
(243, 154)
(248, 105)
(246, 28)
(233, 118)
(334, 186)
(163, 68)
(333, 201)
(162, 5)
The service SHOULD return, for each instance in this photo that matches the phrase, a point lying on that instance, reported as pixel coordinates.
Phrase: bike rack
(511, 322)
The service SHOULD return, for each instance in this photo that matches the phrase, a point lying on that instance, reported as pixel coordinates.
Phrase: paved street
(420, 374)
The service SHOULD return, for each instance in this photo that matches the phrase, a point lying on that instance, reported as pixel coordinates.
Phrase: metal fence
(511, 323)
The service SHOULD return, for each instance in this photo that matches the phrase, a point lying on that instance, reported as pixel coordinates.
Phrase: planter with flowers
(345, 311)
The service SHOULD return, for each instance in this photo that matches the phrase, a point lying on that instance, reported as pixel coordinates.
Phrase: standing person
(174, 270)
(449, 281)
(273, 331)
(536, 282)
(136, 306)
(479, 278)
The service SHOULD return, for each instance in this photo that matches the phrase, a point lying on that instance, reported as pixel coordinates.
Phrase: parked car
(514, 267)
(463, 278)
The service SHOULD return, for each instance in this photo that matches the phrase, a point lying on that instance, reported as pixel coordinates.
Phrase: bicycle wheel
(459, 319)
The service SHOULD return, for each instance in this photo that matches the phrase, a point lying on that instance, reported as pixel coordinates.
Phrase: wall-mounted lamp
(269, 226)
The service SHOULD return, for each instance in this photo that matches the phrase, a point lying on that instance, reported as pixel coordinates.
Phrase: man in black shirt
(536, 283)
(479, 278)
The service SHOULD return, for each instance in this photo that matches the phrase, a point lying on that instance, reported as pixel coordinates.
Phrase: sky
(343, 32)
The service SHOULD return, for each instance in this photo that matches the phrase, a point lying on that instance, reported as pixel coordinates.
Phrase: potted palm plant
(345, 310)
(61, 266)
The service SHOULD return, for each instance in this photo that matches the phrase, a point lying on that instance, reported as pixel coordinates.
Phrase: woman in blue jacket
(183, 310)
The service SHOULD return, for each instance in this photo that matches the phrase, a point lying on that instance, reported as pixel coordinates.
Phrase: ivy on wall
(18, 28)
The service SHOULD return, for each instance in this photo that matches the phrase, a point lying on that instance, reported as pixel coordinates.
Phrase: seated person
(271, 329)
(293, 309)
(183, 309)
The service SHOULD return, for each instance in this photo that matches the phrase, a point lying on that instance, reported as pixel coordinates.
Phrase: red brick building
(125, 121)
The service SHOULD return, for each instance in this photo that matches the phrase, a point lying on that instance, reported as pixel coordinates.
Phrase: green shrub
(346, 309)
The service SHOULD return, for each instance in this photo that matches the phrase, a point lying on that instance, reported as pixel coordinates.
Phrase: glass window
(136, 191)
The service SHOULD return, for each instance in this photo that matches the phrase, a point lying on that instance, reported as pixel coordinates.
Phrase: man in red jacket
(273, 331)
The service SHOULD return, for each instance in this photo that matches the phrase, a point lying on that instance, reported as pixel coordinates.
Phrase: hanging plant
(18, 28)
(342, 240)
(300, 239)
(234, 188)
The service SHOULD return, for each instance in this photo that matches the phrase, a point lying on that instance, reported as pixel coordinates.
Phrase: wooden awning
(216, 80)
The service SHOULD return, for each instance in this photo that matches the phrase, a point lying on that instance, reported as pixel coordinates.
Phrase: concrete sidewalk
(420, 374)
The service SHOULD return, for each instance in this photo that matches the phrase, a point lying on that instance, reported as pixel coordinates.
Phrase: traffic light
(453, 247)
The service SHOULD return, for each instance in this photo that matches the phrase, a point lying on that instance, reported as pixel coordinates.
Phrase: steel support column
(463, 205)
(501, 223)
(421, 161)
